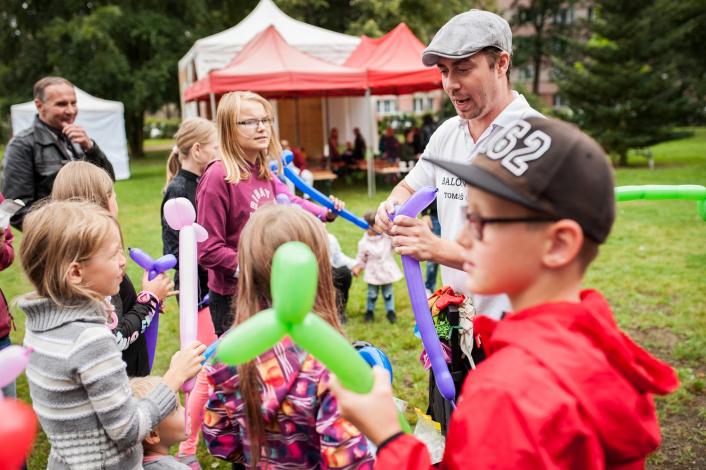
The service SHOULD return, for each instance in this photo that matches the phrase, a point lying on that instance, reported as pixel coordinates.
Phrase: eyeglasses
(478, 222)
(253, 124)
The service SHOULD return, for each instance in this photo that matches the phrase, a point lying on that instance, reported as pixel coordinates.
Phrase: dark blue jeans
(387, 297)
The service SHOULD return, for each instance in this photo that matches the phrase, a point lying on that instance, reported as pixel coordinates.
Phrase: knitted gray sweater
(80, 390)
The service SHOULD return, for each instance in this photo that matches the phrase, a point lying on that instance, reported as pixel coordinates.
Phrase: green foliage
(624, 89)
(550, 24)
(376, 17)
(167, 126)
(682, 31)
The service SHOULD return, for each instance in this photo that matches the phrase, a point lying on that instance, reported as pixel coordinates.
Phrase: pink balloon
(201, 233)
(179, 213)
(13, 360)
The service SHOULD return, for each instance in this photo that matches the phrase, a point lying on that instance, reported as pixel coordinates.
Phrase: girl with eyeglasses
(233, 187)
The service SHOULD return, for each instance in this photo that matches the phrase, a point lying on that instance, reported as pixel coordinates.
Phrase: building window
(560, 17)
(418, 105)
(526, 73)
(388, 106)
(430, 104)
(558, 101)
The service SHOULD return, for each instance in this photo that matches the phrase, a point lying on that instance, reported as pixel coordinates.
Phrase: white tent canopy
(214, 52)
(102, 119)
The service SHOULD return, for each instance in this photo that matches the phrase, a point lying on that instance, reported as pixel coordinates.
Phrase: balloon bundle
(18, 425)
(154, 268)
(315, 194)
(293, 284)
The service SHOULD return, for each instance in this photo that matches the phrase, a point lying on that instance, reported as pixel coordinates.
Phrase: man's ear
(152, 438)
(75, 273)
(39, 104)
(564, 242)
(503, 63)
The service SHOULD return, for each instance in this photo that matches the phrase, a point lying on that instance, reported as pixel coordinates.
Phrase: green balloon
(692, 192)
(293, 284)
(320, 340)
(294, 280)
(251, 338)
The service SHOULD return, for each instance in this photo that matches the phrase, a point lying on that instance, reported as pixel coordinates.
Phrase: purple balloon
(283, 199)
(151, 334)
(162, 264)
(144, 260)
(153, 268)
(417, 297)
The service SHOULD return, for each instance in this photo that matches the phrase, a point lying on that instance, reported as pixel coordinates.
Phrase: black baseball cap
(548, 166)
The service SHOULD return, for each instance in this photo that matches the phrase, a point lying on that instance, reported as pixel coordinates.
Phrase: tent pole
(213, 106)
(371, 145)
(297, 123)
(327, 150)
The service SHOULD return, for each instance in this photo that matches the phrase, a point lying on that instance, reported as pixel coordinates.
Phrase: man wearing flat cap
(473, 52)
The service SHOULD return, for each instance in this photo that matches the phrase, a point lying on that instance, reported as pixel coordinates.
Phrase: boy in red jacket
(562, 387)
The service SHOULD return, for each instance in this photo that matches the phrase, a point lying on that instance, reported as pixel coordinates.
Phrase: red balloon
(18, 426)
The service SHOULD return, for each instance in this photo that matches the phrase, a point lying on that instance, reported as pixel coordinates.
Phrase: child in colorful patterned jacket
(277, 410)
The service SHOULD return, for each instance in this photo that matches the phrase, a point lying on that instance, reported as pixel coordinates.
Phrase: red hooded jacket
(562, 387)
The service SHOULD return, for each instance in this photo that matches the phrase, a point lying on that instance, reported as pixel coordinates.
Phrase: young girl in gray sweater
(72, 253)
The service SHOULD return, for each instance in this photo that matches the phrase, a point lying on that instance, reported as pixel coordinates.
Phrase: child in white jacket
(381, 270)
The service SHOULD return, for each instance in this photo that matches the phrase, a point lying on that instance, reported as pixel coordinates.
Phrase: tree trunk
(540, 13)
(134, 125)
(623, 158)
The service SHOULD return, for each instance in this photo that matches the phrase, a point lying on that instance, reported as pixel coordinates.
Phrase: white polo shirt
(453, 141)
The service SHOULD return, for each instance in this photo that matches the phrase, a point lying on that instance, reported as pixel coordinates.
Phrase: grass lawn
(651, 271)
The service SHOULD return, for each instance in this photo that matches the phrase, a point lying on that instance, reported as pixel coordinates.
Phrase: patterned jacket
(303, 426)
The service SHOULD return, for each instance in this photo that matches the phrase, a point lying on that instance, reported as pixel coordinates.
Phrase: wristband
(388, 441)
(146, 297)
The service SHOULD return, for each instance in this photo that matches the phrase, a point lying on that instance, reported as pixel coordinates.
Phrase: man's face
(471, 84)
(59, 106)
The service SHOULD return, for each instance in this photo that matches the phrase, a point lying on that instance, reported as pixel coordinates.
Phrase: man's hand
(78, 135)
(374, 413)
(427, 220)
(356, 270)
(414, 238)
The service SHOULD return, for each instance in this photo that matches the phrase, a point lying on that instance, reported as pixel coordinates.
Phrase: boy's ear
(152, 438)
(75, 274)
(564, 242)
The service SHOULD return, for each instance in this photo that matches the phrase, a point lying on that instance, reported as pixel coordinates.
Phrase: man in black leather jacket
(34, 156)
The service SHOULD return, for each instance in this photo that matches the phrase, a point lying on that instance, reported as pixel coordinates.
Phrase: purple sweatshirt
(223, 209)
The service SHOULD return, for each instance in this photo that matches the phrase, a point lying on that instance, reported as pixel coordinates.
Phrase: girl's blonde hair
(191, 132)
(142, 386)
(268, 228)
(83, 180)
(56, 235)
(232, 153)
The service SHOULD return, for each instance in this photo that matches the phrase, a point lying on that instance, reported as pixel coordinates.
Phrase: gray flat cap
(467, 33)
